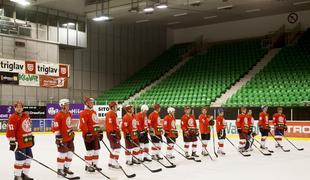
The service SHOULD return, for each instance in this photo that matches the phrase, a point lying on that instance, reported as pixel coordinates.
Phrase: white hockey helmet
(63, 102)
(144, 107)
(170, 110)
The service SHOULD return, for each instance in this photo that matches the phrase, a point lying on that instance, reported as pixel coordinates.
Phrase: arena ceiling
(180, 13)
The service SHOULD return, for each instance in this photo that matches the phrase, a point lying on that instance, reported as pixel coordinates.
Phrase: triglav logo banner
(34, 67)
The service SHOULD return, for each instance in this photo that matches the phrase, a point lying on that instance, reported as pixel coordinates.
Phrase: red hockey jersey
(155, 123)
(279, 121)
(263, 121)
(188, 122)
(130, 126)
(19, 130)
(220, 123)
(111, 122)
(142, 121)
(89, 122)
(204, 123)
(62, 125)
(169, 126)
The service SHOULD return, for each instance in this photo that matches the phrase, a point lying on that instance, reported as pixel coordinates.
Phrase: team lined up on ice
(138, 130)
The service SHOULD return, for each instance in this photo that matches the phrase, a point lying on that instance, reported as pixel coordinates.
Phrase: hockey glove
(100, 135)
(211, 122)
(59, 141)
(239, 130)
(13, 146)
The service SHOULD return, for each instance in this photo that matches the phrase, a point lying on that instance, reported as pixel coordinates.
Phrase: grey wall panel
(31, 95)
(86, 80)
(8, 47)
(53, 53)
(77, 78)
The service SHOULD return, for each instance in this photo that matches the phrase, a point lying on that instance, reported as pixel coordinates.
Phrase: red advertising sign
(298, 129)
(63, 70)
(30, 67)
(53, 82)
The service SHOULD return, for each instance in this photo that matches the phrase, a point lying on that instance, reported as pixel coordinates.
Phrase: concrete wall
(113, 54)
(246, 28)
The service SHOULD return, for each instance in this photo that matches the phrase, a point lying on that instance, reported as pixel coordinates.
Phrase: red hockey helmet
(18, 102)
(128, 108)
(156, 106)
(87, 99)
(112, 104)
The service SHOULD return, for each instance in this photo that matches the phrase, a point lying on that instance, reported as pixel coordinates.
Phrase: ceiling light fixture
(162, 6)
(148, 9)
(225, 7)
(142, 21)
(102, 16)
(209, 17)
(172, 23)
(301, 3)
(252, 10)
(180, 14)
(22, 2)
(68, 24)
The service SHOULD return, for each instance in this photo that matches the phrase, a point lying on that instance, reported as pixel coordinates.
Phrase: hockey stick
(127, 175)
(214, 143)
(152, 170)
(172, 165)
(265, 154)
(245, 155)
(42, 164)
(205, 149)
(271, 151)
(299, 149)
(189, 158)
(285, 150)
(90, 165)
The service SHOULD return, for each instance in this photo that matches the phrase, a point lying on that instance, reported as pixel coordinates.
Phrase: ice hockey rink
(281, 165)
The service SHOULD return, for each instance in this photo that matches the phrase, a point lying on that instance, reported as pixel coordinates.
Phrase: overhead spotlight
(22, 2)
(148, 10)
(68, 24)
(162, 6)
(101, 18)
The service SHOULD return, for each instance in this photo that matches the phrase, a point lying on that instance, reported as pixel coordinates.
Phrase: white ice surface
(292, 165)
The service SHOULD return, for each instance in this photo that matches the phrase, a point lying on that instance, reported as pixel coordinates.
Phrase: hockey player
(171, 132)
(279, 122)
(156, 131)
(220, 129)
(249, 127)
(205, 123)
(21, 140)
(190, 131)
(242, 127)
(92, 134)
(130, 130)
(141, 117)
(62, 127)
(113, 134)
(263, 125)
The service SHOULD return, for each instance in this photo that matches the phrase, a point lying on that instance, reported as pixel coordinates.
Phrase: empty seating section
(205, 77)
(145, 76)
(285, 81)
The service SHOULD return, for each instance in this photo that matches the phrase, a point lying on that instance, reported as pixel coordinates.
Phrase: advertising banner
(8, 78)
(29, 80)
(6, 111)
(53, 82)
(36, 112)
(11, 65)
(34, 67)
(295, 128)
(53, 108)
(103, 109)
